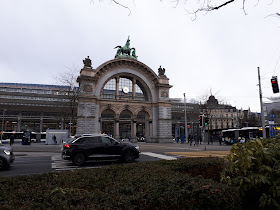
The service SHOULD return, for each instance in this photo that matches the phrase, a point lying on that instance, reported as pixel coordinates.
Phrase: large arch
(125, 85)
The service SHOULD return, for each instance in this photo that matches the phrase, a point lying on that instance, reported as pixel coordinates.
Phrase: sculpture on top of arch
(126, 51)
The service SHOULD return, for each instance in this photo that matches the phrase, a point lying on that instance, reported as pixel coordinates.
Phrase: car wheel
(129, 157)
(3, 164)
(79, 159)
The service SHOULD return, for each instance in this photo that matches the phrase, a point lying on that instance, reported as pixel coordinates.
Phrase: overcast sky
(219, 52)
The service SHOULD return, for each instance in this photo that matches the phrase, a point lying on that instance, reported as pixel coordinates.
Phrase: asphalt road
(39, 158)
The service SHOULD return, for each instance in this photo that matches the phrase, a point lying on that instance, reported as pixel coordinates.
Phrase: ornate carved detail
(87, 88)
(143, 107)
(164, 94)
(127, 106)
(109, 106)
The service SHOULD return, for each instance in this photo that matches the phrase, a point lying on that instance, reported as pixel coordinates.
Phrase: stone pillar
(151, 128)
(100, 125)
(133, 88)
(165, 124)
(133, 128)
(117, 87)
(117, 129)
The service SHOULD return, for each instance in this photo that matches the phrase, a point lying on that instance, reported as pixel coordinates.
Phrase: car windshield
(69, 140)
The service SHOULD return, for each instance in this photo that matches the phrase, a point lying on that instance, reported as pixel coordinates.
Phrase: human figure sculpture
(161, 71)
(87, 62)
(133, 54)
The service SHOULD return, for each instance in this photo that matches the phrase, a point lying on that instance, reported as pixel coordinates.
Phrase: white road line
(165, 157)
(183, 148)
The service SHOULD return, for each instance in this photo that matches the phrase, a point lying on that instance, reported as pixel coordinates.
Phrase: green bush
(146, 185)
(208, 168)
(254, 167)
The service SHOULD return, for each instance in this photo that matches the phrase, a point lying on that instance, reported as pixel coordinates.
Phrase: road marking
(165, 157)
(200, 154)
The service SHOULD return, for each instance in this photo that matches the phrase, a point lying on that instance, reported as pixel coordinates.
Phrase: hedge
(146, 185)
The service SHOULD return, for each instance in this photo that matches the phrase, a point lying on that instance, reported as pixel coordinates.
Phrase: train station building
(125, 98)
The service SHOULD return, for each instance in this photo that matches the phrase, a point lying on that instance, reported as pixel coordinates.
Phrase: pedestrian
(211, 139)
(199, 139)
(190, 139)
(12, 138)
(54, 139)
(220, 139)
(196, 140)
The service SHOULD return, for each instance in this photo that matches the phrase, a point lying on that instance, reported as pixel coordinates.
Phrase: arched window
(127, 89)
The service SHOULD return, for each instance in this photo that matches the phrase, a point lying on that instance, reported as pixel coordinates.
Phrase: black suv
(98, 147)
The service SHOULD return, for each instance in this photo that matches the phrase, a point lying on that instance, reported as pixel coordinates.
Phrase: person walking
(220, 139)
(196, 140)
(54, 139)
(12, 138)
(190, 139)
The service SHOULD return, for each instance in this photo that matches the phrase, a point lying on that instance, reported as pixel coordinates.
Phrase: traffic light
(274, 84)
(206, 120)
(200, 120)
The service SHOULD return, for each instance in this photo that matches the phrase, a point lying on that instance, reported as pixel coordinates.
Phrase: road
(39, 158)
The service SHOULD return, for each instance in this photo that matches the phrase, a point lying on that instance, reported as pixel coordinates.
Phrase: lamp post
(2, 124)
(186, 123)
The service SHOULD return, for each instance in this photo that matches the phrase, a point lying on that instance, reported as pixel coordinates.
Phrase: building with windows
(220, 116)
(34, 107)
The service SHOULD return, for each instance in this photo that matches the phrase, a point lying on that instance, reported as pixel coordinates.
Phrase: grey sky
(219, 51)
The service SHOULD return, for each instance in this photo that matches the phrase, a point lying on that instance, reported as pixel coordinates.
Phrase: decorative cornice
(126, 62)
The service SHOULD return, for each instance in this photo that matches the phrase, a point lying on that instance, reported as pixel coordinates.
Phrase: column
(151, 128)
(117, 87)
(134, 139)
(133, 88)
(100, 125)
(117, 129)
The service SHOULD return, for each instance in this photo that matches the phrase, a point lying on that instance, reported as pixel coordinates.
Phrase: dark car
(98, 147)
(6, 156)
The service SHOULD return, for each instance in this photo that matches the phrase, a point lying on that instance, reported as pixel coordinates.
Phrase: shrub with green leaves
(145, 185)
(254, 167)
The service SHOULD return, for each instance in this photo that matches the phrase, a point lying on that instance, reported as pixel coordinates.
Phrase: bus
(19, 135)
(248, 133)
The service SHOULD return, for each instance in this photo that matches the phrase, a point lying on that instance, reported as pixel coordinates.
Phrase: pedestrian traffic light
(274, 84)
(206, 120)
(201, 120)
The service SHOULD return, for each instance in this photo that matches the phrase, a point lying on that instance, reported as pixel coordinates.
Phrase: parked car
(98, 147)
(6, 156)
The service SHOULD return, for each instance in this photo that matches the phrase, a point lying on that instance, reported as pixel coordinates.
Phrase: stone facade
(126, 99)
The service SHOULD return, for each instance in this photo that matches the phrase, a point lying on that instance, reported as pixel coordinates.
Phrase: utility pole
(261, 102)
(186, 123)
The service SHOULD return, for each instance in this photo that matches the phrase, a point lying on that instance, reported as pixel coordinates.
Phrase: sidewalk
(34, 148)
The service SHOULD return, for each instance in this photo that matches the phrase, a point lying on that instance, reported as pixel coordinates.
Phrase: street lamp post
(186, 123)
(2, 124)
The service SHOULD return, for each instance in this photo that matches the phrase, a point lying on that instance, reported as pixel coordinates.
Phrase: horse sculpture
(125, 50)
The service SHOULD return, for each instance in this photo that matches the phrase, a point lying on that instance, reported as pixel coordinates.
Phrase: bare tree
(71, 91)
(200, 5)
